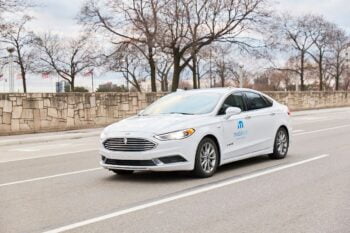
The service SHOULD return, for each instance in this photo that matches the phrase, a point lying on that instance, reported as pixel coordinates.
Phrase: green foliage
(110, 87)
(80, 89)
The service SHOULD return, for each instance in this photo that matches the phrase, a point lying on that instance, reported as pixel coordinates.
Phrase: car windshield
(184, 103)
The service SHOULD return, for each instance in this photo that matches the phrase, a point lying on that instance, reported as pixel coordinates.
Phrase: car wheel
(281, 145)
(123, 172)
(207, 158)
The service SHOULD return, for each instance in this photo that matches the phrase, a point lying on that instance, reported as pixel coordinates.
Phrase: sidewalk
(76, 134)
(47, 137)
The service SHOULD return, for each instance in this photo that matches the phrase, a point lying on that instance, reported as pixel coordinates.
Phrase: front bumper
(186, 149)
(183, 166)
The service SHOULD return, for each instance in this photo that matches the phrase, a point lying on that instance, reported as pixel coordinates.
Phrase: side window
(234, 100)
(255, 101)
(268, 101)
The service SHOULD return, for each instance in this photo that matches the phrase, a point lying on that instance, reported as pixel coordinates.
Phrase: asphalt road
(58, 186)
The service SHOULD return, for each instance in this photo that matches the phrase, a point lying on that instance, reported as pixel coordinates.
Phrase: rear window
(256, 101)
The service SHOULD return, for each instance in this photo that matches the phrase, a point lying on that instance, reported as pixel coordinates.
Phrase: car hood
(154, 124)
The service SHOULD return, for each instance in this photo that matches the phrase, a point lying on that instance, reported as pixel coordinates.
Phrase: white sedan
(197, 130)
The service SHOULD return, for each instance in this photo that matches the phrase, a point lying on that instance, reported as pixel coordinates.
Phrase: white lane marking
(322, 130)
(311, 118)
(45, 156)
(50, 177)
(202, 189)
(298, 131)
(39, 148)
(315, 121)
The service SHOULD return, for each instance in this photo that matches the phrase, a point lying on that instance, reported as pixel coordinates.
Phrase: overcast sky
(59, 15)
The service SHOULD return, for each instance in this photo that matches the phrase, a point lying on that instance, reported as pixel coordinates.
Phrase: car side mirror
(140, 112)
(231, 111)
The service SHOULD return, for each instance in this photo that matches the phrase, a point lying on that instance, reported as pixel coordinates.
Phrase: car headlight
(177, 135)
(103, 136)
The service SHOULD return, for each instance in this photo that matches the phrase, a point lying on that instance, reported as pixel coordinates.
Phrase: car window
(268, 101)
(234, 100)
(255, 101)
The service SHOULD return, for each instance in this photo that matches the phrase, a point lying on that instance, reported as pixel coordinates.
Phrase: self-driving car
(198, 131)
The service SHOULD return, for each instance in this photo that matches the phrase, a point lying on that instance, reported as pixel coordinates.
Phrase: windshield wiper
(182, 113)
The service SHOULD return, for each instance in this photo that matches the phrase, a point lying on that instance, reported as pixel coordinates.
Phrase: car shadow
(182, 176)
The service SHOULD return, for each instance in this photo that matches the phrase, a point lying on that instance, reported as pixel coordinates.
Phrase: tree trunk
(302, 68)
(222, 81)
(337, 76)
(162, 85)
(194, 71)
(24, 80)
(320, 71)
(23, 72)
(152, 65)
(72, 84)
(198, 77)
(166, 85)
(177, 69)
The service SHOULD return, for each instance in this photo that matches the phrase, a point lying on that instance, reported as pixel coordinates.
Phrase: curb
(47, 138)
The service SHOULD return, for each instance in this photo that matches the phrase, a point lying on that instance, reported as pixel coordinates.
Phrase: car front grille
(128, 144)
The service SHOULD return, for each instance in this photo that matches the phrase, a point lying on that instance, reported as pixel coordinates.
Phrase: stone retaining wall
(41, 112)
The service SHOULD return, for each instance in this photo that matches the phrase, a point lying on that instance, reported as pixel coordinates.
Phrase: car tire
(281, 145)
(123, 172)
(207, 158)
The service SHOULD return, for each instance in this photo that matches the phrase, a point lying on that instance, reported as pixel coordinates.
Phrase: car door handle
(248, 117)
(272, 114)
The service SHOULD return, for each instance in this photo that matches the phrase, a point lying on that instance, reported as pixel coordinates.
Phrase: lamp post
(11, 50)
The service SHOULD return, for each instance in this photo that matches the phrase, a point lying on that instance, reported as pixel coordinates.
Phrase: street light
(11, 50)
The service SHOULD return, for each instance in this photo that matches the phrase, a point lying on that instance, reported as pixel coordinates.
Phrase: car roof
(222, 90)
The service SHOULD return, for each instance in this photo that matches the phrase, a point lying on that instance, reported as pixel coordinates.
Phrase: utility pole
(10, 50)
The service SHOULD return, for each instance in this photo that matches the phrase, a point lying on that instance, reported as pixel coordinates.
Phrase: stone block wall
(297, 101)
(42, 112)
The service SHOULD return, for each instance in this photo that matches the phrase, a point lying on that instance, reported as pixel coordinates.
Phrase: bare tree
(13, 5)
(339, 45)
(187, 26)
(164, 66)
(224, 65)
(133, 22)
(66, 57)
(128, 61)
(320, 32)
(16, 37)
(295, 33)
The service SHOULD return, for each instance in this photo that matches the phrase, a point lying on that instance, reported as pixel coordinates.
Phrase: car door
(262, 121)
(236, 129)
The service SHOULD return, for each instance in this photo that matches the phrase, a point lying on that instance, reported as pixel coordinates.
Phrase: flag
(45, 75)
(89, 73)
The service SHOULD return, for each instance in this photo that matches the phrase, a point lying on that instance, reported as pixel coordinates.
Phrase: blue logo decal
(240, 124)
(241, 132)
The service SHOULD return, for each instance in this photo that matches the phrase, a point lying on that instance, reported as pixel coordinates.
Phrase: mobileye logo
(240, 133)
(240, 125)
